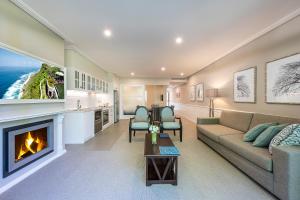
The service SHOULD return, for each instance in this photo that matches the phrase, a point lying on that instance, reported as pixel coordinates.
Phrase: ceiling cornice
(21, 4)
(69, 44)
(259, 34)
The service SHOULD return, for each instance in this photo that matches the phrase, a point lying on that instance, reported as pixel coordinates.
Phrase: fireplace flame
(31, 145)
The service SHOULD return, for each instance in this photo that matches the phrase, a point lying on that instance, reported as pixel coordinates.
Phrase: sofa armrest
(208, 120)
(286, 167)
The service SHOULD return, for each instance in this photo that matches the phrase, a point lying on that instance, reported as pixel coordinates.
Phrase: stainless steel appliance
(105, 117)
(98, 121)
(116, 106)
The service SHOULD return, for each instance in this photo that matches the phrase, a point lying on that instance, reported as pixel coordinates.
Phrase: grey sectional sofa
(279, 173)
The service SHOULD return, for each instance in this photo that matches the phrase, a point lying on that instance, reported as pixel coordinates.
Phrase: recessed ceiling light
(178, 40)
(107, 33)
(132, 73)
(163, 69)
(181, 74)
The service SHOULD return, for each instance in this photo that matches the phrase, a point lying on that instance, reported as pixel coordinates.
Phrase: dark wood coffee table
(160, 169)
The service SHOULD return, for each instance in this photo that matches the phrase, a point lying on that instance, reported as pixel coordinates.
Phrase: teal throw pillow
(282, 135)
(264, 139)
(253, 133)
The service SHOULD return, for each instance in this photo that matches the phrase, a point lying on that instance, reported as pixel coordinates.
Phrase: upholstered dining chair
(140, 122)
(168, 121)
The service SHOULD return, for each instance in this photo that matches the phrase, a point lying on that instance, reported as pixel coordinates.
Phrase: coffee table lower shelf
(161, 170)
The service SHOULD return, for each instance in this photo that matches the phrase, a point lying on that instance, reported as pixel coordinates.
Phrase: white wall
(20, 31)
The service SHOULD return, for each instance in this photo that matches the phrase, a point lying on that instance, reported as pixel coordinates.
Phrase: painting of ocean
(25, 77)
(12, 80)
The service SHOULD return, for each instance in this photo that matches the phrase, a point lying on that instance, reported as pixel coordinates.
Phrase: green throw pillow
(252, 134)
(264, 139)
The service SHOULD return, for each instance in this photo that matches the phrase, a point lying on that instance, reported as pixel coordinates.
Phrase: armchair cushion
(167, 115)
(140, 125)
(171, 125)
(141, 115)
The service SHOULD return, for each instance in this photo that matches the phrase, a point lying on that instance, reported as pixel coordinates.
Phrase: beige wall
(21, 31)
(154, 93)
(78, 61)
(278, 43)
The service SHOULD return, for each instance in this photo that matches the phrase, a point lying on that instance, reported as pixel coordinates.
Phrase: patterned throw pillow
(282, 135)
(293, 139)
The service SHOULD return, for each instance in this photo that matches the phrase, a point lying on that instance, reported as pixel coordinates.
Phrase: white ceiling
(144, 30)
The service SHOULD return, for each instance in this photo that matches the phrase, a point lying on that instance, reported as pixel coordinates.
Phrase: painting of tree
(283, 80)
(243, 89)
(288, 80)
(244, 85)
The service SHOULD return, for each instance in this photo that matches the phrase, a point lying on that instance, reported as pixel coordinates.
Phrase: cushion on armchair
(140, 125)
(167, 115)
(171, 125)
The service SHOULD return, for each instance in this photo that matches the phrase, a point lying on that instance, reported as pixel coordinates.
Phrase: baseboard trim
(30, 172)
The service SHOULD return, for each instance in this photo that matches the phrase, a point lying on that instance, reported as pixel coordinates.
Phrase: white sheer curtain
(131, 96)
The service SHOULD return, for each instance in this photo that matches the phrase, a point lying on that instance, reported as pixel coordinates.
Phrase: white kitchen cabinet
(78, 127)
(93, 84)
(82, 81)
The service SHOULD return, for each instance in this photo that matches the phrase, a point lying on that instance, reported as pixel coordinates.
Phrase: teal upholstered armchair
(168, 121)
(140, 122)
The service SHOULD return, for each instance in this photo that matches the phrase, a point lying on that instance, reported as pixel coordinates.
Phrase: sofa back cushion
(261, 118)
(236, 120)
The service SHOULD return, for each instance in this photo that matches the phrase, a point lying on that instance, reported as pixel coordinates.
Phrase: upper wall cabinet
(78, 80)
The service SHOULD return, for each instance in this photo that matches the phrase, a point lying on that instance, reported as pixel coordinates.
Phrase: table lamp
(211, 94)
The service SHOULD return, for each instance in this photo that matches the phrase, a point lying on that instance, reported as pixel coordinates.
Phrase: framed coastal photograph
(283, 80)
(24, 78)
(200, 92)
(244, 86)
(192, 93)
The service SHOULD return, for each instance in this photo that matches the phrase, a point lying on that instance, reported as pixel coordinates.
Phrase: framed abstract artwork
(192, 93)
(283, 80)
(200, 92)
(244, 86)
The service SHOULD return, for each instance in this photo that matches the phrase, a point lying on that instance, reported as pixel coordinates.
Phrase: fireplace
(25, 144)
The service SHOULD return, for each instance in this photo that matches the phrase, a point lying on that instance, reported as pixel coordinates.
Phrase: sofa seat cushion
(214, 131)
(140, 125)
(171, 125)
(259, 156)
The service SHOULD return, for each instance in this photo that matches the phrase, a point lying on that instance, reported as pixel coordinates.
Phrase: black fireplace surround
(38, 139)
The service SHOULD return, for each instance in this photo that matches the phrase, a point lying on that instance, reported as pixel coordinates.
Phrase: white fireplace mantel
(59, 147)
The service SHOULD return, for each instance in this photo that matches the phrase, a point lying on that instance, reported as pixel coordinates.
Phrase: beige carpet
(108, 167)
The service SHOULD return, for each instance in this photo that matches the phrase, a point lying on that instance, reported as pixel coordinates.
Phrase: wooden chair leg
(174, 131)
(180, 135)
(134, 133)
(130, 136)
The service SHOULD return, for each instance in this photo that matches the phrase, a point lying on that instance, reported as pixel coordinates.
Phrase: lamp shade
(211, 93)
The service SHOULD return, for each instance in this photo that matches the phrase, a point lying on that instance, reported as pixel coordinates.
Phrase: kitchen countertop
(89, 109)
